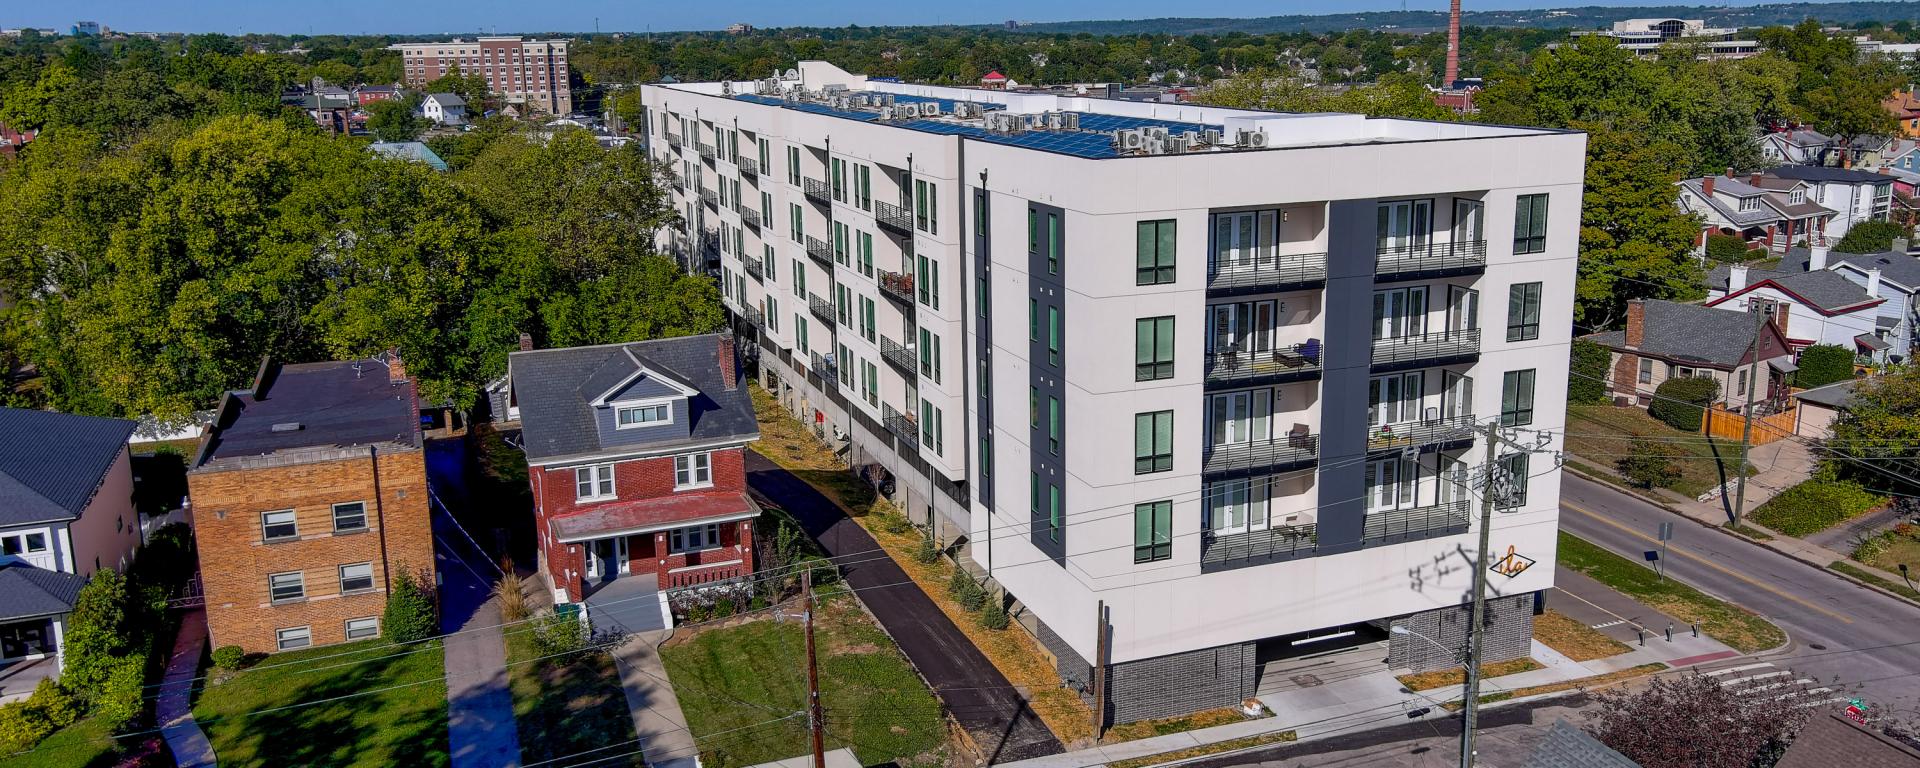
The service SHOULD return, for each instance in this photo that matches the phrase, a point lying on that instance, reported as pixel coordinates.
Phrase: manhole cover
(1816, 646)
(1305, 681)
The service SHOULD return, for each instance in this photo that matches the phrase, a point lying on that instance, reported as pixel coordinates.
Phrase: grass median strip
(1425, 681)
(1144, 729)
(1583, 683)
(1739, 628)
(1867, 575)
(1573, 639)
(1278, 737)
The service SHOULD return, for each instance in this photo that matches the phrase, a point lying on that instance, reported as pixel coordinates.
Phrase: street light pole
(1476, 634)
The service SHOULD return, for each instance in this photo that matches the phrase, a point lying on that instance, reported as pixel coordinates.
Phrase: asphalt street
(1838, 631)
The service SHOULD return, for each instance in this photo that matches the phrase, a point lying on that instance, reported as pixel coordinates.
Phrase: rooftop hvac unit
(1157, 131)
(1179, 144)
(726, 87)
(886, 113)
(1132, 140)
(908, 111)
(962, 110)
(1054, 122)
(1253, 139)
(1211, 136)
(1156, 145)
(1192, 137)
(887, 99)
(930, 109)
(1070, 121)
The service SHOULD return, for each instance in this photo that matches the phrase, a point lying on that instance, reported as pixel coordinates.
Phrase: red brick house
(635, 453)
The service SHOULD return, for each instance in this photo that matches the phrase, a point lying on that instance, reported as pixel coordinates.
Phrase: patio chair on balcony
(1298, 437)
(1311, 351)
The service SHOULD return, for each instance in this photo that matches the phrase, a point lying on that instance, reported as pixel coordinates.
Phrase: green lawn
(1601, 435)
(568, 704)
(86, 744)
(737, 677)
(1816, 505)
(403, 726)
(1889, 549)
(1723, 621)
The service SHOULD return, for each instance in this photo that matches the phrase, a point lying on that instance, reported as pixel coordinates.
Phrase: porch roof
(643, 515)
(28, 592)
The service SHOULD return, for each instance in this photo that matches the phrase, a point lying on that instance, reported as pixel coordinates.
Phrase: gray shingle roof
(51, 463)
(1893, 265)
(1689, 333)
(1835, 395)
(340, 404)
(27, 592)
(1565, 746)
(1829, 175)
(554, 386)
(1824, 289)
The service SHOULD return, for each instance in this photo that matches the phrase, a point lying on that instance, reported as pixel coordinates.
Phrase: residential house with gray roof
(1853, 194)
(636, 455)
(1817, 307)
(1665, 340)
(1766, 212)
(1891, 275)
(66, 510)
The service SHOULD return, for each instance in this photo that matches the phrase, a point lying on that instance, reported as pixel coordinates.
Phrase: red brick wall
(1626, 374)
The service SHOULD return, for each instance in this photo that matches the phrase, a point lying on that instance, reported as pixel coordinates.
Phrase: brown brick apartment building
(309, 491)
(532, 73)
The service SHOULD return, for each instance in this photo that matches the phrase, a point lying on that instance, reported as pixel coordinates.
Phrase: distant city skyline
(451, 18)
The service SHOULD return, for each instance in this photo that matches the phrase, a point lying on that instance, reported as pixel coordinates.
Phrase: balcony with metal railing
(752, 265)
(1431, 521)
(705, 150)
(1423, 349)
(894, 217)
(747, 165)
(1407, 262)
(1297, 362)
(1438, 433)
(755, 317)
(1226, 551)
(817, 190)
(904, 427)
(824, 367)
(673, 140)
(710, 244)
(821, 308)
(897, 286)
(1262, 457)
(1267, 274)
(750, 216)
(820, 251)
(900, 357)
(711, 198)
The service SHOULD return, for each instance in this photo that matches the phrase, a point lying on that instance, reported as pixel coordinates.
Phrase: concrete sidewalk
(174, 709)
(481, 732)
(661, 727)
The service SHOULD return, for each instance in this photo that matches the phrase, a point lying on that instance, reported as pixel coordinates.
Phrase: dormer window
(1749, 204)
(642, 415)
(1797, 196)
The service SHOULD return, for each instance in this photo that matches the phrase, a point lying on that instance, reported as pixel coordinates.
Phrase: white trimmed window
(356, 577)
(279, 525)
(692, 470)
(694, 538)
(630, 416)
(595, 482)
(293, 637)
(287, 587)
(350, 517)
(360, 629)
(23, 543)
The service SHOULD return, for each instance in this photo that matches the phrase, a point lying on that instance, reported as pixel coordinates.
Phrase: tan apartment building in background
(310, 494)
(529, 73)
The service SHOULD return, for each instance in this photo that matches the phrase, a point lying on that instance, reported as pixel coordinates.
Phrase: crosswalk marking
(1718, 672)
(1770, 683)
(1614, 623)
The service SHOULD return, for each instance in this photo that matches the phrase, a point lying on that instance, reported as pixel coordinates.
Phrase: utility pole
(1746, 430)
(816, 721)
(1470, 711)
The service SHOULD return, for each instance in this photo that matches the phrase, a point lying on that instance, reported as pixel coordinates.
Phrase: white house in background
(1764, 211)
(1810, 307)
(1892, 275)
(1246, 440)
(444, 108)
(1854, 195)
(66, 510)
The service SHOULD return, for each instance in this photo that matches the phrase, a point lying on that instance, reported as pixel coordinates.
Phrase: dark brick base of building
(1509, 624)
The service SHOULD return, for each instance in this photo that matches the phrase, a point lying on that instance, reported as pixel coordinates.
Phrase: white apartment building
(1645, 37)
(1220, 386)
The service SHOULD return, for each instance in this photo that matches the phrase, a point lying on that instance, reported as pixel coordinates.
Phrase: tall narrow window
(1053, 425)
(1153, 252)
(1523, 312)
(798, 220)
(926, 208)
(1530, 224)
(928, 282)
(1515, 466)
(931, 428)
(930, 355)
(1053, 243)
(1152, 531)
(1153, 348)
(1056, 517)
(1516, 398)
(1152, 442)
(1053, 336)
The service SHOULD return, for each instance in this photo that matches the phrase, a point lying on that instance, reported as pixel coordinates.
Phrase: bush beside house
(1588, 382)
(1870, 237)
(1823, 364)
(1682, 403)
(1726, 249)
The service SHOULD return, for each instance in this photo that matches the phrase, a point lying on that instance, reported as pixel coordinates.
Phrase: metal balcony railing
(710, 243)
(1262, 456)
(1412, 434)
(1428, 348)
(755, 317)
(1430, 259)
(747, 165)
(825, 368)
(820, 251)
(817, 190)
(897, 286)
(750, 217)
(904, 427)
(1234, 550)
(893, 217)
(1268, 273)
(671, 176)
(821, 308)
(709, 197)
(752, 265)
(673, 140)
(1444, 519)
(705, 150)
(1298, 362)
(900, 357)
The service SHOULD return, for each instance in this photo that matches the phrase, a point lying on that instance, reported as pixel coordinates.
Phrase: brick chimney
(396, 370)
(729, 369)
(1706, 186)
(526, 341)
(1754, 179)
(1453, 47)
(1636, 323)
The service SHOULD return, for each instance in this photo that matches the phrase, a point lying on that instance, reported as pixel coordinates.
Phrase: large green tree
(1634, 242)
(395, 120)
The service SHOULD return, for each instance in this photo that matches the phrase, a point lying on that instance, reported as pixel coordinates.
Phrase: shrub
(229, 657)
(558, 633)
(1651, 464)
(1756, 254)
(1870, 237)
(1815, 505)
(965, 591)
(928, 551)
(122, 698)
(1726, 248)
(56, 703)
(22, 725)
(1587, 383)
(1823, 364)
(98, 632)
(512, 594)
(1681, 403)
(410, 612)
(994, 616)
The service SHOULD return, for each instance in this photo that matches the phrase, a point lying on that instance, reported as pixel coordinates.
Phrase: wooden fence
(1720, 422)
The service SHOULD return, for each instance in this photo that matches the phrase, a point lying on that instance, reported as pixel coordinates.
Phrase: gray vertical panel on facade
(1352, 246)
(1047, 291)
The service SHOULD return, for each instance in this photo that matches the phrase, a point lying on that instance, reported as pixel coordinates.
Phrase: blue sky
(458, 16)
